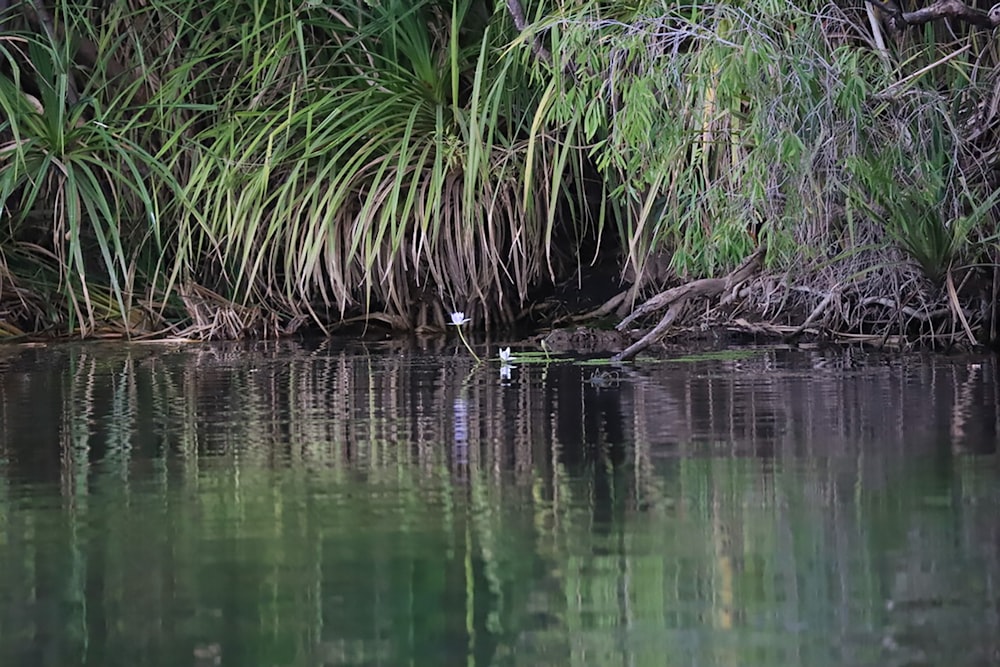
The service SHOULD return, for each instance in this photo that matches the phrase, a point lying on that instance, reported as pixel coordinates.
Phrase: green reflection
(367, 510)
(733, 565)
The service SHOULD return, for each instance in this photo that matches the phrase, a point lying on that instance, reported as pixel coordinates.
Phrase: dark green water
(314, 505)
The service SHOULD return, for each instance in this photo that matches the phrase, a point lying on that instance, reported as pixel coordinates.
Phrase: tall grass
(333, 160)
(390, 169)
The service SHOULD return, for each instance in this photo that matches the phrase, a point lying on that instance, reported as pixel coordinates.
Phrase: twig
(923, 70)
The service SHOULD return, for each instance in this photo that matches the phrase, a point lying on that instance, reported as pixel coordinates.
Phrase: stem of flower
(467, 346)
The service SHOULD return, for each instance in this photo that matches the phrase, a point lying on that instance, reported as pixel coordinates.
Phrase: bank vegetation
(257, 168)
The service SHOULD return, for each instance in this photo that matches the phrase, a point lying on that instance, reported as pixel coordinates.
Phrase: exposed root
(676, 299)
(817, 311)
(877, 298)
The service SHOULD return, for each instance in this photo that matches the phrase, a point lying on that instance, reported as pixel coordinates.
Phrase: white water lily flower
(458, 318)
(505, 356)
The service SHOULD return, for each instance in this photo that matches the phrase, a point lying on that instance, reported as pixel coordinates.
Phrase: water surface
(331, 504)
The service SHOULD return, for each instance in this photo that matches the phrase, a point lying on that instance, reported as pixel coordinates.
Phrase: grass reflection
(265, 508)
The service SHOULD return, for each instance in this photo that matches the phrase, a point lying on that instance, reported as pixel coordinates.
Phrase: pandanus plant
(81, 198)
(397, 162)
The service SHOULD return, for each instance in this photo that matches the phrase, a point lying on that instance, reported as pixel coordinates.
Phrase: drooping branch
(942, 9)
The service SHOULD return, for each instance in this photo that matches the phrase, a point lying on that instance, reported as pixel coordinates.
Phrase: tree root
(676, 299)
(817, 311)
(883, 301)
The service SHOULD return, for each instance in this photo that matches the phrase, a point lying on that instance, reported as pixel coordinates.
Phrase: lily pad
(595, 362)
(714, 355)
(710, 355)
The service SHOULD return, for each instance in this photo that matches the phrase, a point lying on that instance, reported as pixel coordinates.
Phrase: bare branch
(942, 9)
(517, 13)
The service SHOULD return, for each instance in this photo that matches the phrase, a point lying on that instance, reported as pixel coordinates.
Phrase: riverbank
(324, 168)
(747, 305)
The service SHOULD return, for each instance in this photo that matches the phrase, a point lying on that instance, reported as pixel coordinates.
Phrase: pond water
(392, 504)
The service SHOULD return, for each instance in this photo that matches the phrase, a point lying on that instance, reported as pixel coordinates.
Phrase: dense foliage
(247, 167)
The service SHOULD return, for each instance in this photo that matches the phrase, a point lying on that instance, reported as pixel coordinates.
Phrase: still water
(326, 504)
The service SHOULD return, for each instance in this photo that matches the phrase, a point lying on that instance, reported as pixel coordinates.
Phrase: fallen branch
(676, 298)
(604, 309)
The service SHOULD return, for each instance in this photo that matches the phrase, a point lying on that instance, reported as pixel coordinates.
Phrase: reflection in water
(308, 505)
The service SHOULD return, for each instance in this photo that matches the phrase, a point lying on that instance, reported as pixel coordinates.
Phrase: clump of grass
(395, 165)
(82, 198)
(916, 192)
